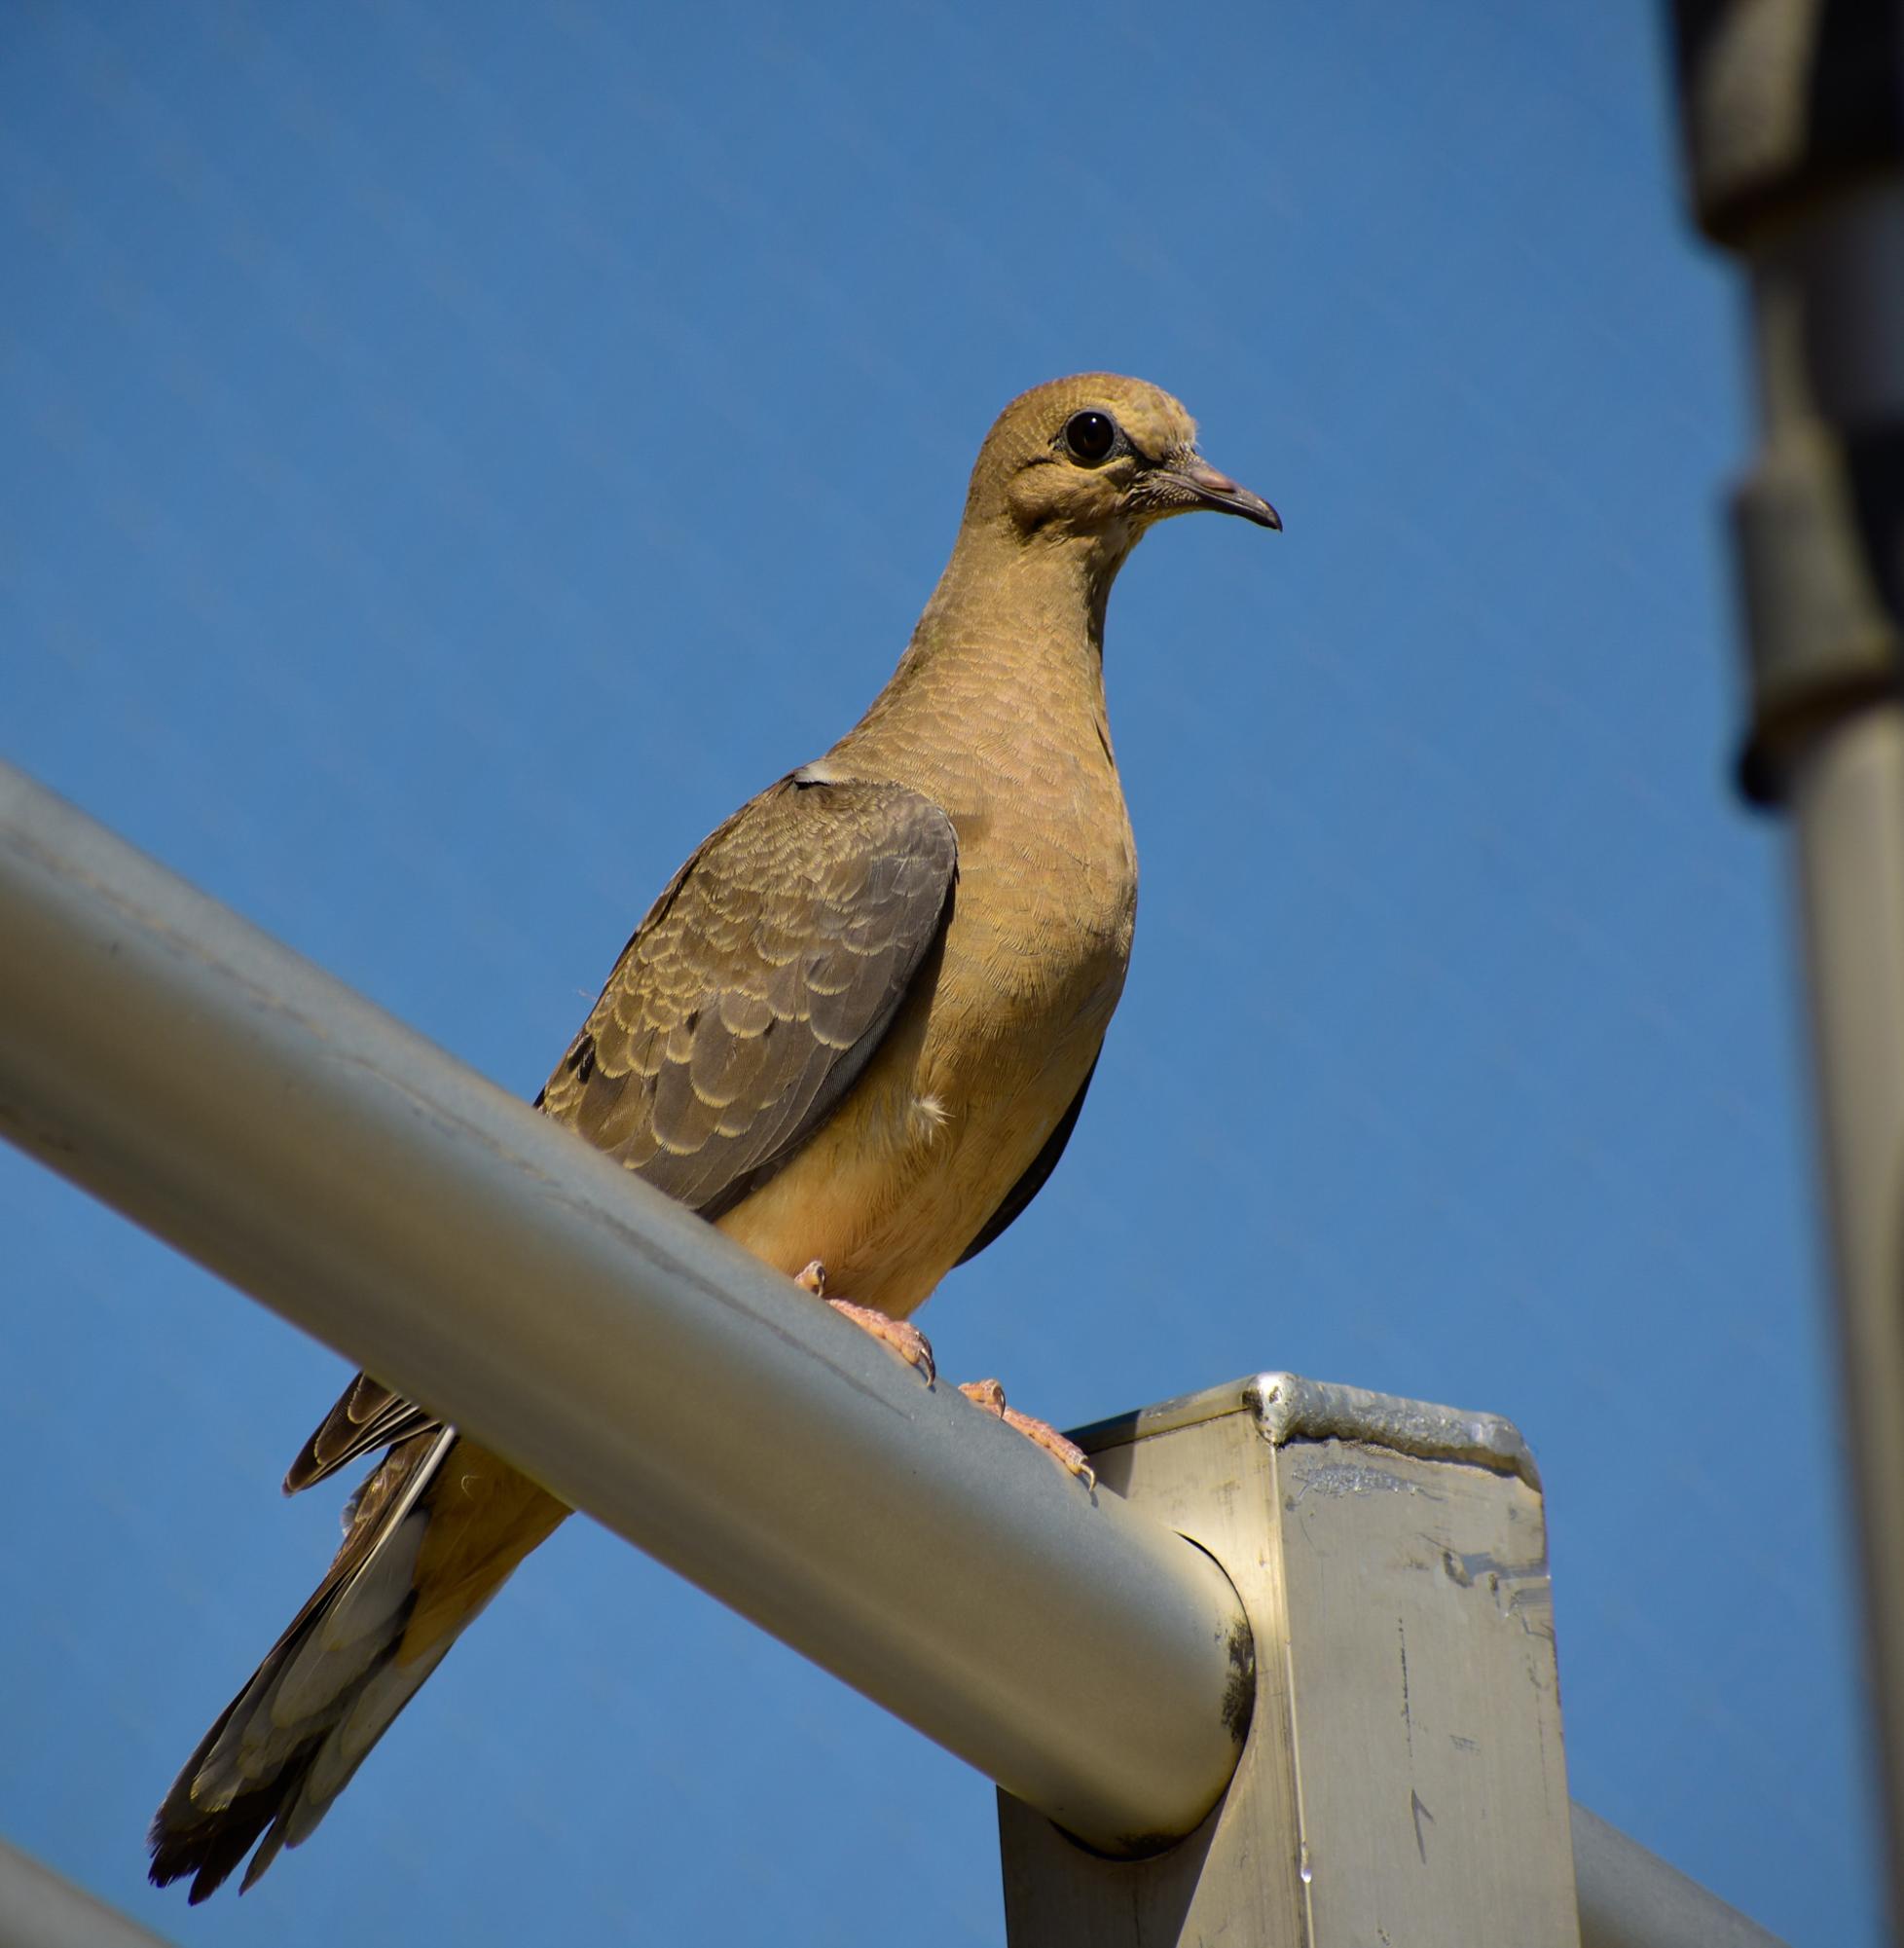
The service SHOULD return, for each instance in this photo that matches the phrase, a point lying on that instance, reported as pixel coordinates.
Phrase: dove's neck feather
(1002, 682)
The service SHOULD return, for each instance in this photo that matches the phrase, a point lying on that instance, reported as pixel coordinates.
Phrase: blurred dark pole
(1792, 113)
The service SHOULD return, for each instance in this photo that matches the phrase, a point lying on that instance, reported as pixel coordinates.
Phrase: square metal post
(1404, 1779)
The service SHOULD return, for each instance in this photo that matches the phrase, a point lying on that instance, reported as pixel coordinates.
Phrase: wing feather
(741, 1012)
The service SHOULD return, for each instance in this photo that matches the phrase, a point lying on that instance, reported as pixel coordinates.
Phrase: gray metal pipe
(38, 1909)
(1631, 1899)
(1829, 316)
(256, 1114)
(1849, 804)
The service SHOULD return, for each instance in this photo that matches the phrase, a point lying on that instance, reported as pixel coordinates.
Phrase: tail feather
(428, 1539)
(336, 1760)
(327, 1690)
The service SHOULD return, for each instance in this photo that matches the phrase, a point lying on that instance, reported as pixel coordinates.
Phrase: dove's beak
(1211, 489)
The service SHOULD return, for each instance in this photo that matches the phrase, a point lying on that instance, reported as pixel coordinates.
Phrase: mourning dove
(854, 1032)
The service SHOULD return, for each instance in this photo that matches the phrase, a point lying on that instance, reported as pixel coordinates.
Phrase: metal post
(1793, 116)
(1404, 1779)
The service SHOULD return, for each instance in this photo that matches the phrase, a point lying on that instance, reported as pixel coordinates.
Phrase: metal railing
(171, 1059)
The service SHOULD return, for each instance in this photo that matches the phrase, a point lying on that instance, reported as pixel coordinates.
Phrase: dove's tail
(429, 1538)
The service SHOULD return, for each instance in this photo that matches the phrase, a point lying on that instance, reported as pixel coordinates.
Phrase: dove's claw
(906, 1341)
(1069, 1456)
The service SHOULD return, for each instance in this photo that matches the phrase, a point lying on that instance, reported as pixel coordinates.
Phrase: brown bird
(854, 1032)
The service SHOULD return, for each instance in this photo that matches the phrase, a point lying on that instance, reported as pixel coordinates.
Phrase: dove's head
(1096, 459)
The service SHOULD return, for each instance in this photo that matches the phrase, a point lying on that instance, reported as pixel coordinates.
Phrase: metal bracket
(1404, 1779)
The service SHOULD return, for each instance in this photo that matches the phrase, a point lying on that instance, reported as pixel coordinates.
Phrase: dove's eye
(1090, 436)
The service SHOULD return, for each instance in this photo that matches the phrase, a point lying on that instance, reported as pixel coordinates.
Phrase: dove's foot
(906, 1341)
(990, 1395)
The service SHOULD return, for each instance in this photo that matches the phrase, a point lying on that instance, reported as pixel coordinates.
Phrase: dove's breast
(993, 1044)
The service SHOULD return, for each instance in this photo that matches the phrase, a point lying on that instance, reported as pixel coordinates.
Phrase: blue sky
(453, 455)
